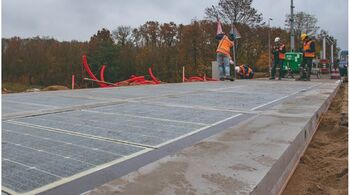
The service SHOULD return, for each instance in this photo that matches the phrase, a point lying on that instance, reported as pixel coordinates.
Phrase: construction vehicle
(343, 62)
(293, 62)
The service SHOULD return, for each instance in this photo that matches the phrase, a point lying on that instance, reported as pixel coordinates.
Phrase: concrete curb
(277, 178)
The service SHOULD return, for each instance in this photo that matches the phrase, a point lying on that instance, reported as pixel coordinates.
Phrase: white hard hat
(237, 69)
(277, 39)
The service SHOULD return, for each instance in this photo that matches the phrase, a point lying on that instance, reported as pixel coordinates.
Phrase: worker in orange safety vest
(244, 71)
(223, 55)
(278, 52)
(309, 53)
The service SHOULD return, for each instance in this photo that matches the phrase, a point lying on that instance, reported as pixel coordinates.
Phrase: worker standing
(309, 53)
(278, 52)
(223, 56)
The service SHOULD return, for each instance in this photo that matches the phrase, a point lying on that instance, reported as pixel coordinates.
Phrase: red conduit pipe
(147, 82)
(88, 70)
(195, 79)
(140, 80)
(133, 79)
(156, 81)
(102, 73)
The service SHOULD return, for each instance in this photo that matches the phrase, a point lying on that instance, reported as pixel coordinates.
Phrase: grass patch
(9, 87)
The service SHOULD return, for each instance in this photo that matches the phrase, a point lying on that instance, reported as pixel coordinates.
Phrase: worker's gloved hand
(231, 62)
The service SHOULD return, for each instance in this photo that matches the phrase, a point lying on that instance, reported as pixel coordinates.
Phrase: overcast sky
(80, 19)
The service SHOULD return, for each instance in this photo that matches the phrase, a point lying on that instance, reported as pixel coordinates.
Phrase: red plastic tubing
(153, 77)
(88, 70)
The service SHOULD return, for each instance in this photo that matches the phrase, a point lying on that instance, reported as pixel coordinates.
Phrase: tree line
(166, 47)
(125, 51)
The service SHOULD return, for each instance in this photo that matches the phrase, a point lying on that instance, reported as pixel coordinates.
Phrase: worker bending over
(244, 72)
(309, 51)
(278, 52)
(223, 56)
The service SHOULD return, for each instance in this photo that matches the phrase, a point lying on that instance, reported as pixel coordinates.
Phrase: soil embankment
(324, 167)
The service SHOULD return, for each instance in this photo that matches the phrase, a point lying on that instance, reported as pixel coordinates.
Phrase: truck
(343, 62)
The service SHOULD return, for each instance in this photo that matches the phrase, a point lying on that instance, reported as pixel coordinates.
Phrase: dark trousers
(305, 67)
(273, 70)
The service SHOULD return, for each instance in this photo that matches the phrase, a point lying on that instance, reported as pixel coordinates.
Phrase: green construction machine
(292, 63)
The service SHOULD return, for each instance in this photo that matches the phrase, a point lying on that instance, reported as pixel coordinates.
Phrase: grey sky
(80, 19)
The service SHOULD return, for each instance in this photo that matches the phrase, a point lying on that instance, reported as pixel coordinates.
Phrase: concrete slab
(254, 157)
(81, 139)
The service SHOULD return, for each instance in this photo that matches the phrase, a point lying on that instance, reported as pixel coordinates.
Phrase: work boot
(227, 78)
(299, 79)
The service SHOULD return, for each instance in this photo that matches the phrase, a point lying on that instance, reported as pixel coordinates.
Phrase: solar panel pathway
(73, 141)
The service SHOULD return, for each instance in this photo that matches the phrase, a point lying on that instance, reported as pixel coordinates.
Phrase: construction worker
(309, 53)
(244, 72)
(278, 52)
(223, 56)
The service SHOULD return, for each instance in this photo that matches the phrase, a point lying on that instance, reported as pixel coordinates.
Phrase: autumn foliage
(125, 51)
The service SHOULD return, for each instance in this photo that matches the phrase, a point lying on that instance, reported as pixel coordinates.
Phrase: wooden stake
(73, 81)
(104, 82)
(183, 74)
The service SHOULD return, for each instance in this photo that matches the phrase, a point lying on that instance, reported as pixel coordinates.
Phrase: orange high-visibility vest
(307, 46)
(249, 72)
(244, 73)
(224, 46)
(241, 70)
(281, 55)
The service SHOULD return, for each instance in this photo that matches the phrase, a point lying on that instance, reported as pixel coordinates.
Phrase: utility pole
(269, 44)
(324, 46)
(234, 53)
(324, 61)
(332, 57)
(332, 50)
(292, 26)
(237, 36)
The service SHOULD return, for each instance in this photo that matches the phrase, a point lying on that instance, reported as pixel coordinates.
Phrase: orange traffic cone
(219, 28)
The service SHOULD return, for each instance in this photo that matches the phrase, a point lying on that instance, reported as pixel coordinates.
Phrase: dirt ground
(324, 167)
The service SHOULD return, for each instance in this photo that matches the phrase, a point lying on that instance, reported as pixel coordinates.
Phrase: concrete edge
(275, 181)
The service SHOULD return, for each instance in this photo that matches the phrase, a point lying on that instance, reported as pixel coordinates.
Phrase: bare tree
(168, 33)
(235, 11)
(122, 34)
(303, 23)
(212, 12)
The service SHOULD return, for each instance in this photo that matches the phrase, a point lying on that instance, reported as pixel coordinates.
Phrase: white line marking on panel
(276, 100)
(67, 143)
(79, 134)
(53, 154)
(193, 107)
(84, 173)
(31, 104)
(284, 97)
(138, 127)
(29, 167)
(223, 88)
(146, 117)
(198, 130)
